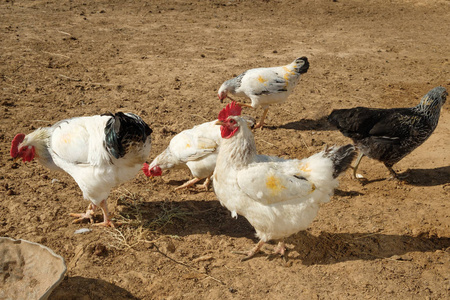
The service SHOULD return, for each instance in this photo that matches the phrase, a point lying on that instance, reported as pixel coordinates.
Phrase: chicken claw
(251, 253)
(89, 214)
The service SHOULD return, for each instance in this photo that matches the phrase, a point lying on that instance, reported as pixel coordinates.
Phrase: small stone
(99, 249)
(169, 246)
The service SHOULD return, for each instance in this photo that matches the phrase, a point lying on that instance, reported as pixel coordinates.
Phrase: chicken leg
(241, 104)
(355, 167)
(188, 184)
(89, 214)
(106, 220)
(263, 117)
(207, 183)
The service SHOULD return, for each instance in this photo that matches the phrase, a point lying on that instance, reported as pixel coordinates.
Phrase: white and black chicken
(278, 198)
(265, 86)
(99, 152)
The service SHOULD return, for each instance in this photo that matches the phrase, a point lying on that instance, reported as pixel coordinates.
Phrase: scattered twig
(86, 82)
(267, 142)
(188, 266)
(201, 117)
(304, 142)
(11, 85)
(56, 54)
(359, 98)
(288, 112)
(69, 78)
(62, 32)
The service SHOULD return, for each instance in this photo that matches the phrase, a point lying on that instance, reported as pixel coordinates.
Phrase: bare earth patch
(165, 61)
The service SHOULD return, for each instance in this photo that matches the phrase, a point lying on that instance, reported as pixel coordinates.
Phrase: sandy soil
(165, 61)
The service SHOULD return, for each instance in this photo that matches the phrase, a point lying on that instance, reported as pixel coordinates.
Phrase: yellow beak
(219, 123)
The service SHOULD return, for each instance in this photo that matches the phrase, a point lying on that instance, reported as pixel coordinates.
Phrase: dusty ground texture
(165, 61)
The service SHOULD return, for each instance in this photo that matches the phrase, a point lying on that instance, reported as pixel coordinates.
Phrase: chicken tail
(341, 157)
(124, 130)
(302, 65)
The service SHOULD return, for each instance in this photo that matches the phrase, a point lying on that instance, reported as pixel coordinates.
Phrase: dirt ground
(165, 61)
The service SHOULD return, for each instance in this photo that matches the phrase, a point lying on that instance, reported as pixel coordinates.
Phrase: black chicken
(388, 135)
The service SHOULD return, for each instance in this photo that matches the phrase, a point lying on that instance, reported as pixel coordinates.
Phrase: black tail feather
(304, 67)
(122, 130)
(341, 157)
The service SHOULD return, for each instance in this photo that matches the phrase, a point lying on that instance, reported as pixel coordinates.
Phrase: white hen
(277, 198)
(195, 148)
(265, 86)
(99, 152)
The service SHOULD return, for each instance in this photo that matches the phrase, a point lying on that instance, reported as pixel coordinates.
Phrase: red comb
(145, 170)
(15, 144)
(232, 109)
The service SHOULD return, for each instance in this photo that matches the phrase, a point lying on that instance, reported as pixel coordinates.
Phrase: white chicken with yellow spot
(278, 198)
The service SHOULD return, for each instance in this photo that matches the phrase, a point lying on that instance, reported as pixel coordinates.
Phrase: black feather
(341, 157)
(124, 130)
(388, 135)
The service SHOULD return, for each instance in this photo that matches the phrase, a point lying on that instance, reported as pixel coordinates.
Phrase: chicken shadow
(341, 193)
(193, 217)
(89, 288)
(307, 124)
(331, 248)
(428, 177)
(188, 217)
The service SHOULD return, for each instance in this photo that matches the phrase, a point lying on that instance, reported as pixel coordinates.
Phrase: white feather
(77, 147)
(278, 198)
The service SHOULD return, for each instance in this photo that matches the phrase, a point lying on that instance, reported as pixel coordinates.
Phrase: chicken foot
(191, 182)
(188, 184)
(279, 249)
(252, 252)
(395, 175)
(89, 214)
(207, 182)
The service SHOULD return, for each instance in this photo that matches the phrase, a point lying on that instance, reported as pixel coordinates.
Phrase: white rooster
(265, 86)
(194, 148)
(99, 152)
(277, 198)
